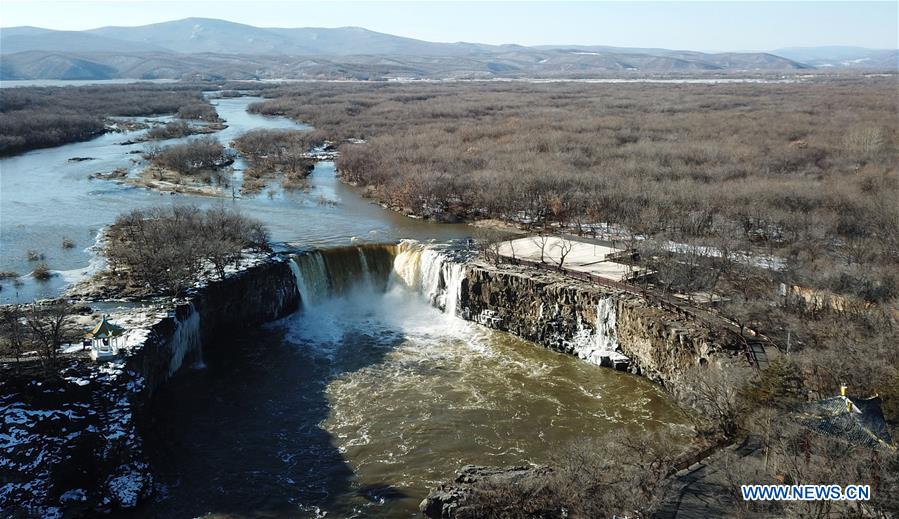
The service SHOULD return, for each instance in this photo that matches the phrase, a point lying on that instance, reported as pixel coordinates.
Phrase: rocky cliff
(71, 445)
(593, 322)
(259, 294)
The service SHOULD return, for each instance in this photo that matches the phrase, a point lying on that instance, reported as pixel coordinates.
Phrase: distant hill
(209, 48)
(23, 39)
(843, 57)
(725, 60)
(194, 35)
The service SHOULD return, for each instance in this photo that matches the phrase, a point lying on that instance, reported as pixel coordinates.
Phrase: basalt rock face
(565, 315)
(260, 294)
(72, 446)
(664, 345)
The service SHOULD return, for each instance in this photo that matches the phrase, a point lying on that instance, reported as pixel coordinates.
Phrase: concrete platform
(586, 257)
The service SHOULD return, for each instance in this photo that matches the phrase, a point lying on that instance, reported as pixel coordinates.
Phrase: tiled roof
(104, 330)
(859, 421)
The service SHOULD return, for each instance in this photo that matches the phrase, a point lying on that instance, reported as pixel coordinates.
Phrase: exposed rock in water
(117, 173)
(448, 500)
(81, 159)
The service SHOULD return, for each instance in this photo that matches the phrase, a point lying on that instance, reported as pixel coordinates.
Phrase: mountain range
(214, 49)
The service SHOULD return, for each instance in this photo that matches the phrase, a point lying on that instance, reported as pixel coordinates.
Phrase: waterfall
(431, 272)
(606, 318)
(454, 288)
(407, 263)
(366, 272)
(324, 273)
(185, 340)
(311, 277)
(339, 271)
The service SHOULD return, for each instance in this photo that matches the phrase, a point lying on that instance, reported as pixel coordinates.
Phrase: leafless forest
(733, 189)
(33, 117)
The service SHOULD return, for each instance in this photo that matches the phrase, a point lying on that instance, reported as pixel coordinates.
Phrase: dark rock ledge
(448, 500)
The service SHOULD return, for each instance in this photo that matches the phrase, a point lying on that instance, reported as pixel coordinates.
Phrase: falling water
(311, 277)
(407, 264)
(606, 319)
(453, 288)
(321, 274)
(185, 340)
(430, 271)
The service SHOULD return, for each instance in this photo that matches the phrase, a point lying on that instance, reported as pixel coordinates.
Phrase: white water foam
(431, 272)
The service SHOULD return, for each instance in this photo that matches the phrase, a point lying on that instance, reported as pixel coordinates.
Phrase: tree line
(40, 117)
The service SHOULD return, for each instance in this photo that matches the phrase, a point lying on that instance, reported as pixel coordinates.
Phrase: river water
(369, 396)
(358, 403)
(45, 197)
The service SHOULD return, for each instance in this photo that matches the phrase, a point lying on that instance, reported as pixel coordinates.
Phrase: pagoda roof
(104, 330)
(858, 420)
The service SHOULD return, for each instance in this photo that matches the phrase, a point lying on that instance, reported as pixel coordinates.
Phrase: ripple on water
(440, 392)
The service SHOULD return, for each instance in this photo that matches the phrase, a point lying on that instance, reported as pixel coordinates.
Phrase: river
(45, 197)
(355, 405)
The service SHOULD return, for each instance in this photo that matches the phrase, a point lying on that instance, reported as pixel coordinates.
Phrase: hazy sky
(720, 25)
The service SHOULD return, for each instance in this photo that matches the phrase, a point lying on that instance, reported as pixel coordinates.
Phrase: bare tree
(621, 474)
(716, 391)
(541, 240)
(564, 246)
(48, 325)
(13, 338)
(166, 249)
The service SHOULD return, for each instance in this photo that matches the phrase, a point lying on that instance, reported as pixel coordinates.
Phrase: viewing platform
(579, 256)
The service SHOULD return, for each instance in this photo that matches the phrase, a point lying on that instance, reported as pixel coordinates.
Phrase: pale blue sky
(715, 26)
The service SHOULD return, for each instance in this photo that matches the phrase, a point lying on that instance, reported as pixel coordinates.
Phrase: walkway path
(708, 488)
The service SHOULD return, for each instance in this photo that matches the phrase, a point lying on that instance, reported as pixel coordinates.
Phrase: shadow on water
(358, 404)
(243, 437)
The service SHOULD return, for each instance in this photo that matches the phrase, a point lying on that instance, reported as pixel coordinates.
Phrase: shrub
(41, 272)
(621, 474)
(38, 117)
(274, 151)
(171, 130)
(202, 154)
(198, 110)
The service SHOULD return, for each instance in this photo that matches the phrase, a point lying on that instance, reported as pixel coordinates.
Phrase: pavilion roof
(105, 330)
(858, 420)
